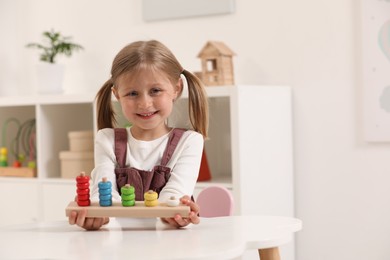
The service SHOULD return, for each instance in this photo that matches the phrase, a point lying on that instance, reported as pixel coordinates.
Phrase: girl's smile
(147, 115)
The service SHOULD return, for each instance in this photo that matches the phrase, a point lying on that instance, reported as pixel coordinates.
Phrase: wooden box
(17, 172)
(80, 141)
(72, 163)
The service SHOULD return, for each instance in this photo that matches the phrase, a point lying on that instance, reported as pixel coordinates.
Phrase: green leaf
(57, 45)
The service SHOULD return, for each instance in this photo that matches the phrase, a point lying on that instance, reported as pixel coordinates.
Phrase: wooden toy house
(217, 64)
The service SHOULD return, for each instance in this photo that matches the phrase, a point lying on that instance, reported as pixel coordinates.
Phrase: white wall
(341, 182)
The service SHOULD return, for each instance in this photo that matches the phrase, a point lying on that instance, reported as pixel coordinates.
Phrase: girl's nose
(145, 101)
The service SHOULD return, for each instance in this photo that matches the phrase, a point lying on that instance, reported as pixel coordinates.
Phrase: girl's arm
(185, 170)
(185, 165)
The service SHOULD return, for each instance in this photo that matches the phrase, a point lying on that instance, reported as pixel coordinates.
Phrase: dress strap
(120, 148)
(121, 145)
(173, 140)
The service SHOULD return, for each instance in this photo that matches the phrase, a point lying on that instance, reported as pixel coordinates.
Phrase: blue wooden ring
(105, 197)
(104, 185)
(105, 191)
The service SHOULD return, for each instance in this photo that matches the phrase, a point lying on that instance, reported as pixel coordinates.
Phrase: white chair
(215, 201)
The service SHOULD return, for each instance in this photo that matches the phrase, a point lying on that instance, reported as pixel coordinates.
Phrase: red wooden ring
(83, 197)
(82, 179)
(82, 191)
(84, 185)
(83, 203)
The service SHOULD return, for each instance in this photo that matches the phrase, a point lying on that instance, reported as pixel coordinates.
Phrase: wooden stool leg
(269, 254)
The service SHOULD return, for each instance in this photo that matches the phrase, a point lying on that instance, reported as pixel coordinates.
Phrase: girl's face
(147, 100)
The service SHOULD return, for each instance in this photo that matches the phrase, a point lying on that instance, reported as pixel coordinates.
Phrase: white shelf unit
(249, 150)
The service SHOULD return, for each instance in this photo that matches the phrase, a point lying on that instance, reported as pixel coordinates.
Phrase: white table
(214, 238)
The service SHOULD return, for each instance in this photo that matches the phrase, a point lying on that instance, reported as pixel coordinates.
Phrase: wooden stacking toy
(105, 190)
(128, 207)
(128, 196)
(83, 190)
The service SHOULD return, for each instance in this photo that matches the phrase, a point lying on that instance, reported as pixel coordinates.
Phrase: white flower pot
(49, 78)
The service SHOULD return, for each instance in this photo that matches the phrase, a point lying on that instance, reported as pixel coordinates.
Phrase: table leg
(269, 254)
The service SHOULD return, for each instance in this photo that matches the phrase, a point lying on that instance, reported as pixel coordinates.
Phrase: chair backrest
(215, 201)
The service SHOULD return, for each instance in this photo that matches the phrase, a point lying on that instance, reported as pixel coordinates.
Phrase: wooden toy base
(17, 172)
(137, 211)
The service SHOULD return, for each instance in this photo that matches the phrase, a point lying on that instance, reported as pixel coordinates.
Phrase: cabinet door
(262, 150)
(56, 196)
(19, 202)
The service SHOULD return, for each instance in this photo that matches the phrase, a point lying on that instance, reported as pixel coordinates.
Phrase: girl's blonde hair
(153, 54)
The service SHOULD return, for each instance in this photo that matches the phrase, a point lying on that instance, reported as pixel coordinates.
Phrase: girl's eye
(155, 91)
(132, 93)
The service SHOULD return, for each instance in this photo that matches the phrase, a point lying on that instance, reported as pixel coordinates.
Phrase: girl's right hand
(80, 219)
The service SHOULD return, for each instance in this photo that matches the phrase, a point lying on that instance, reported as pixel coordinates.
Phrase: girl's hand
(80, 219)
(179, 221)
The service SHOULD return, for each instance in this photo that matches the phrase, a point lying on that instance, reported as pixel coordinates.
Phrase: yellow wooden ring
(150, 195)
(151, 203)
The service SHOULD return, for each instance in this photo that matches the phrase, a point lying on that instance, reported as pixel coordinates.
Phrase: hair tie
(185, 84)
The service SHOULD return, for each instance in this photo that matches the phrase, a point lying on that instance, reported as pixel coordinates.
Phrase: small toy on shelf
(128, 195)
(3, 157)
(105, 197)
(83, 190)
(24, 139)
(217, 64)
(151, 198)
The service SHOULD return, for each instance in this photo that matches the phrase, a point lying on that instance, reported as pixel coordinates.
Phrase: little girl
(147, 79)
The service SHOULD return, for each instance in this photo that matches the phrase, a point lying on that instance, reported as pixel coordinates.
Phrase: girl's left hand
(180, 221)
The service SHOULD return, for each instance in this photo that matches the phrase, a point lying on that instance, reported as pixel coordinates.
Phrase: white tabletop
(213, 238)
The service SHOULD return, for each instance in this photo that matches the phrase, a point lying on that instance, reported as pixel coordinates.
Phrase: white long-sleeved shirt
(144, 155)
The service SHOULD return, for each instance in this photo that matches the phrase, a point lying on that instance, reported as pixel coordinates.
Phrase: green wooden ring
(127, 190)
(128, 203)
(128, 196)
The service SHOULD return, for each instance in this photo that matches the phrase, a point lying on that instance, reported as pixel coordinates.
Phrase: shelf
(46, 100)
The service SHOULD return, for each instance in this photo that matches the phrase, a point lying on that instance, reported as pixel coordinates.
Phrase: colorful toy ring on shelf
(150, 195)
(173, 202)
(82, 191)
(82, 197)
(128, 196)
(83, 203)
(82, 178)
(104, 185)
(128, 203)
(151, 203)
(83, 186)
(127, 189)
(105, 191)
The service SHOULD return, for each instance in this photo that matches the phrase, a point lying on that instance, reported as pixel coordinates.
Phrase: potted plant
(49, 73)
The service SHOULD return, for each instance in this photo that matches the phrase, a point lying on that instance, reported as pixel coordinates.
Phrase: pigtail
(198, 104)
(105, 111)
